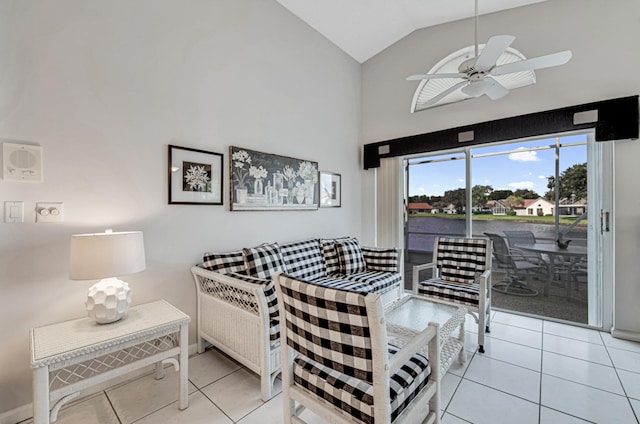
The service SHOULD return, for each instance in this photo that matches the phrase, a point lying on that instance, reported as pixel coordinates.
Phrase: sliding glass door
(540, 200)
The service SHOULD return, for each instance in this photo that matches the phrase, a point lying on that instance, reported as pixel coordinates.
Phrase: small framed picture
(330, 190)
(195, 177)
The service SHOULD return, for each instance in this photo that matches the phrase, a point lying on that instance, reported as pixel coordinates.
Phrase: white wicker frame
(241, 329)
(425, 408)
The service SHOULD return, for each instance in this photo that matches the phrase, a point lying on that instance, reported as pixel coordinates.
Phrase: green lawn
(488, 217)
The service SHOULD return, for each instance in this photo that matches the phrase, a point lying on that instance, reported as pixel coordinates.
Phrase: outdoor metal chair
(461, 275)
(517, 265)
(336, 360)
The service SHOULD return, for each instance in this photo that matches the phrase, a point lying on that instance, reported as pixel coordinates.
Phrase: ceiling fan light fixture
(428, 89)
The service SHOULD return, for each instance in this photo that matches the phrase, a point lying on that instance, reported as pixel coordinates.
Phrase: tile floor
(533, 371)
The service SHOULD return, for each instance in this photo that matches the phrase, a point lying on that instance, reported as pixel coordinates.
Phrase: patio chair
(517, 265)
(519, 237)
(461, 275)
(338, 364)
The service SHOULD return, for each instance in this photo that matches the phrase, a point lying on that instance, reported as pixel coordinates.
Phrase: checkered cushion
(330, 339)
(330, 256)
(339, 283)
(330, 330)
(356, 396)
(468, 294)
(272, 303)
(263, 261)
(461, 260)
(303, 259)
(380, 259)
(349, 256)
(376, 281)
(224, 263)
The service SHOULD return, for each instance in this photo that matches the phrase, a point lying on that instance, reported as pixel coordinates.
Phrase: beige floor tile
(200, 411)
(145, 395)
(210, 366)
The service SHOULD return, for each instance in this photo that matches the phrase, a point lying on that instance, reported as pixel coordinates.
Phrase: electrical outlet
(49, 212)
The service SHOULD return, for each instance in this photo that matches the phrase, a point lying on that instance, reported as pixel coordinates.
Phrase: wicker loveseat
(237, 309)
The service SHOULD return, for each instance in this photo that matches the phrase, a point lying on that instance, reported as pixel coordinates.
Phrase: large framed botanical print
(264, 181)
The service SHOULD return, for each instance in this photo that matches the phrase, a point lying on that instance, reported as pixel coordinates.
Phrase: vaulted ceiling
(363, 28)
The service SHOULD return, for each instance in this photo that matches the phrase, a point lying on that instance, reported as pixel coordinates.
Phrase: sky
(524, 169)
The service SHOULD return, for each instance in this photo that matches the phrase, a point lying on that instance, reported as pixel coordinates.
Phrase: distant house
(575, 208)
(535, 207)
(450, 209)
(498, 207)
(420, 208)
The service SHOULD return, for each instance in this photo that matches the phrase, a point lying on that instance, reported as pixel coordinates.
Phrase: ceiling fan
(476, 74)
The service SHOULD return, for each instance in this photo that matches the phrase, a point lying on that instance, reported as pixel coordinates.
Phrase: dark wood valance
(615, 119)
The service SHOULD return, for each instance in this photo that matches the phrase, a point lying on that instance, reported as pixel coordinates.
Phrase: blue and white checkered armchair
(337, 362)
(461, 275)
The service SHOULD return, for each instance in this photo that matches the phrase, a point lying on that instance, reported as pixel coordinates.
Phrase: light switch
(49, 212)
(14, 212)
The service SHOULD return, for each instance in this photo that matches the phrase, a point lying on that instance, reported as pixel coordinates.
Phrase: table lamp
(106, 256)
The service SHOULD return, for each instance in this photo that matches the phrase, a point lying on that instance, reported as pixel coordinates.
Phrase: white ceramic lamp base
(108, 300)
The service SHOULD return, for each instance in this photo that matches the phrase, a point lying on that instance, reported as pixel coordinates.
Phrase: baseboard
(626, 335)
(25, 412)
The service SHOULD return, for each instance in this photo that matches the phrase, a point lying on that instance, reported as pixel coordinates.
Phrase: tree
(480, 195)
(573, 183)
(514, 201)
(500, 194)
(455, 197)
(526, 194)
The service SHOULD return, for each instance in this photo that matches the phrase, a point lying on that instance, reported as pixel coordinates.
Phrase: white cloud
(542, 177)
(421, 189)
(524, 155)
(521, 185)
(460, 180)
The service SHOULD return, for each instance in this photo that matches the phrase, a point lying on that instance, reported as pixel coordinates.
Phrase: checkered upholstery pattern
(461, 260)
(468, 294)
(330, 256)
(349, 256)
(356, 396)
(272, 303)
(380, 259)
(377, 281)
(329, 329)
(224, 263)
(303, 259)
(263, 261)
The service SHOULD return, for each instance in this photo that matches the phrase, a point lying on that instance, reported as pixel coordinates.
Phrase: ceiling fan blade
(492, 51)
(492, 88)
(445, 93)
(541, 62)
(434, 76)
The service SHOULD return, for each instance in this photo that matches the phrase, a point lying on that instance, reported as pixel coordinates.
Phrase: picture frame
(195, 176)
(261, 181)
(330, 190)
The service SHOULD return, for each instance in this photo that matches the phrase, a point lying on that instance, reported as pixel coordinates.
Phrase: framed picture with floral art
(264, 181)
(195, 177)
(330, 190)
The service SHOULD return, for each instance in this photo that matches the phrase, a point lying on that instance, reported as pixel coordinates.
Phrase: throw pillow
(350, 256)
(329, 255)
(263, 261)
(224, 263)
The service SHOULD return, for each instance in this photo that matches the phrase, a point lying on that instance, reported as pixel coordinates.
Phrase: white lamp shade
(104, 255)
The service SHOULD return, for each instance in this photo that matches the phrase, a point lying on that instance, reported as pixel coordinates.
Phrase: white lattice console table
(70, 356)
(412, 314)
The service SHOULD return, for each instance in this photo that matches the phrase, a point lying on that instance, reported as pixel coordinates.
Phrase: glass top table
(412, 314)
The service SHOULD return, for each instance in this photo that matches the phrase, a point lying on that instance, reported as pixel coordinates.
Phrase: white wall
(603, 37)
(104, 87)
